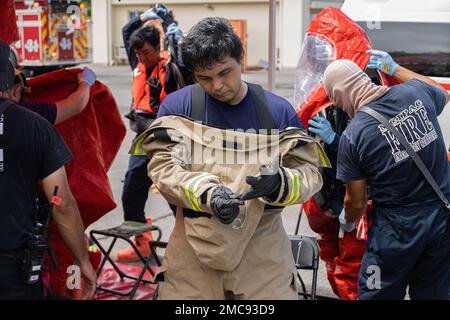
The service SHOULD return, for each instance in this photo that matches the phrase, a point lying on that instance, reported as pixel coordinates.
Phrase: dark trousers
(407, 246)
(135, 189)
(11, 286)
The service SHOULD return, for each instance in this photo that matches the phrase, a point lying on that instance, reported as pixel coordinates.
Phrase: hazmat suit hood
(349, 88)
(331, 36)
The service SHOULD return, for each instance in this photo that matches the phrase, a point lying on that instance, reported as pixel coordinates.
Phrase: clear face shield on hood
(317, 53)
(331, 35)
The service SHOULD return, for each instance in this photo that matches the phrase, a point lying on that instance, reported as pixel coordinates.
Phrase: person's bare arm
(75, 103)
(70, 225)
(355, 201)
(402, 74)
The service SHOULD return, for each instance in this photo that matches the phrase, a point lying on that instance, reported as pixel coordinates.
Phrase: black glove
(225, 204)
(265, 185)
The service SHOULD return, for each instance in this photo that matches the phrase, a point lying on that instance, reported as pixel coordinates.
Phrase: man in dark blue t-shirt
(213, 52)
(409, 237)
(237, 114)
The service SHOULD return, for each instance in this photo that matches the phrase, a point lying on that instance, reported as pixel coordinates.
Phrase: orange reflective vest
(149, 92)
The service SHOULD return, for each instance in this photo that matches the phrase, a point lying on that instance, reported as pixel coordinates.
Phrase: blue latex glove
(174, 30)
(149, 15)
(88, 76)
(382, 61)
(322, 127)
(348, 227)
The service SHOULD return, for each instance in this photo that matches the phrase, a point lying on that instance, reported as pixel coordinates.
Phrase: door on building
(240, 27)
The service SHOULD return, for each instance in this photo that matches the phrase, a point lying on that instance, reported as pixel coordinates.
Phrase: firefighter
(409, 238)
(150, 88)
(228, 240)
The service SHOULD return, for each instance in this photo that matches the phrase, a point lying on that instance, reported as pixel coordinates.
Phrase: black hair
(140, 37)
(211, 41)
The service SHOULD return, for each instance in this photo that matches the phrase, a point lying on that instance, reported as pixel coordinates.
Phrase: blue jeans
(407, 245)
(135, 189)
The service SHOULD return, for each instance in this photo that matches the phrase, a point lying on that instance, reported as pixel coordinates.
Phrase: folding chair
(125, 231)
(306, 257)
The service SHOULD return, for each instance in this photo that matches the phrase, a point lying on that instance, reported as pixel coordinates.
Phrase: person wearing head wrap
(409, 239)
(349, 87)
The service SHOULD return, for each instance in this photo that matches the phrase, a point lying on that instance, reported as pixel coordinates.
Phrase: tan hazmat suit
(250, 258)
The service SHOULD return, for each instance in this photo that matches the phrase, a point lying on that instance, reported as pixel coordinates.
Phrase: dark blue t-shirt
(44, 109)
(241, 116)
(368, 151)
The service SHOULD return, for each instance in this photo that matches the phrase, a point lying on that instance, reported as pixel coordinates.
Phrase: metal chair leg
(314, 285)
(140, 278)
(297, 227)
(107, 257)
(305, 294)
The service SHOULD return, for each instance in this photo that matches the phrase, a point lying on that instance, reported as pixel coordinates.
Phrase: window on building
(134, 13)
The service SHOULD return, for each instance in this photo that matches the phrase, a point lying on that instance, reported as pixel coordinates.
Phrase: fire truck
(53, 34)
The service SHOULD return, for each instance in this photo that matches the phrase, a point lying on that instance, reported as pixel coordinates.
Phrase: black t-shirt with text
(30, 150)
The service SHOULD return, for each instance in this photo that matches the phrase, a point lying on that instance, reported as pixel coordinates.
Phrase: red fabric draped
(342, 256)
(94, 137)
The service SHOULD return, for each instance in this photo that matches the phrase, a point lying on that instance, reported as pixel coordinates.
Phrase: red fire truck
(53, 33)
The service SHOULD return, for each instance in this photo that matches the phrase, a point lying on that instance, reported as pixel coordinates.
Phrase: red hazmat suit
(8, 24)
(94, 137)
(332, 36)
(341, 251)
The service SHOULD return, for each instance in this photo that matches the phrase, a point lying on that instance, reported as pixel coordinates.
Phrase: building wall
(100, 40)
(187, 15)
(292, 20)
